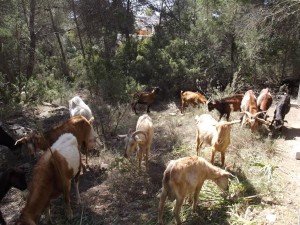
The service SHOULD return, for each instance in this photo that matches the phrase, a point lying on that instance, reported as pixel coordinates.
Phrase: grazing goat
(213, 133)
(191, 98)
(8, 141)
(141, 139)
(78, 107)
(52, 176)
(146, 98)
(226, 105)
(282, 108)
(79, 126)
(13, 177)
(264, 102)
(250, 110)
(185, 176)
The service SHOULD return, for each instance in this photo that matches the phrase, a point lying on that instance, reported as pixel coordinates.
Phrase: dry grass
(115, 192)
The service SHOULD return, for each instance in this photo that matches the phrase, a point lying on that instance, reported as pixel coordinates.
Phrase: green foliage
(46, 89)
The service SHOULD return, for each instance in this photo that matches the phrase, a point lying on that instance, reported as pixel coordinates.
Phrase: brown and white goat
(185, 176)
(13, 177)
(264, 102)
(250, 110)
(140, 139)
(191, 98)
(145, 98)
(52, 176)
(79, 126)
(214, 134)
(226, 105)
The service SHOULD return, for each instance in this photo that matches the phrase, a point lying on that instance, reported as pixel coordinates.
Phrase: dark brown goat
(264, 102)
(226, 105)
(13, 177)
(193, 98)
(145, 98)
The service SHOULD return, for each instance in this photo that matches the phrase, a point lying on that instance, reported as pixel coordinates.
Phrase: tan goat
(191, 98)
(186, 176)
(250, 110)
(141, 139)
(79, 126)
(213, 133)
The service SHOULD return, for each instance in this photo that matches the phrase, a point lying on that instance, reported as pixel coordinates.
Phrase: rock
(298, 155)
(271, 217)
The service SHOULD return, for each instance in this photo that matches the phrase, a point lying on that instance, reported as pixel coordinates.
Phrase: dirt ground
(115, 192)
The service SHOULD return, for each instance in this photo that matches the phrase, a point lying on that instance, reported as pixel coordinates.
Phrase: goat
(282, 108)
(13, 177)
(250, 110)
(226, 105)
(8, 141)
(193, 98)
(146, 98)
(79, 126)
(213, 133)
(78, 107)
(141, 139)
(52, 176)
(186, 176)
(264, 102)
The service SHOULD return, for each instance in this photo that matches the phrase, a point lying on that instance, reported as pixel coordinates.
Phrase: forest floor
(115, 192)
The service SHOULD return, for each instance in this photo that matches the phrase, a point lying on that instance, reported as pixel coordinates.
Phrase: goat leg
(161, 206)
(179, 202)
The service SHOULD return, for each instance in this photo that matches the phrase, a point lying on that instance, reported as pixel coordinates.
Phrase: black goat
(282, 108)
(13, 177)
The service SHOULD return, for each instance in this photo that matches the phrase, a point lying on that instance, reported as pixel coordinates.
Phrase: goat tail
(181, 92)
(166, 185)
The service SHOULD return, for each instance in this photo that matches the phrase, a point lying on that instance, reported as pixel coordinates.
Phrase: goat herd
(61, 160)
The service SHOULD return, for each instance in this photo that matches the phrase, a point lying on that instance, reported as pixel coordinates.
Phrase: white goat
(141, 139)
(186, 176)
(78, 107)
(214, 133)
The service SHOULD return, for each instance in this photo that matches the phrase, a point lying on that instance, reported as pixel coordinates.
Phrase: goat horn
(247, 113)
(233, 122)
(258, 113)
(91, 120)
(263, 121)
(138, 132)
(21, 140)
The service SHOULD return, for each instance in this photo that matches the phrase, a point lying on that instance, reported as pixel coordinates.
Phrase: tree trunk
(32, 45)
(64, 59)
(77, 27)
